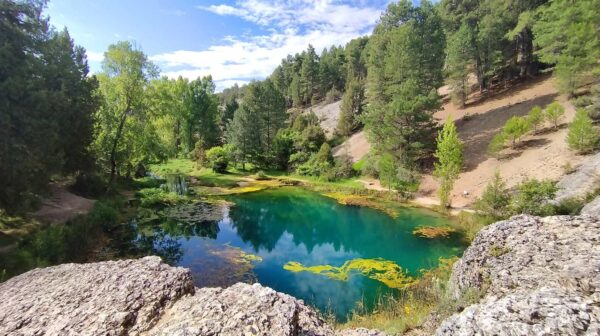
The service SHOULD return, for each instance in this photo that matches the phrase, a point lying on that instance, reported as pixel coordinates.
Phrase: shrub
(495, 200)
(582, 136)
(535, 118)
(533, 198)
(570, 206)
(89, 185)
(554, 113)
(218, 159)
(515, 128)
(344, 167)
(104, 214)
(332, 95)
(497, 144)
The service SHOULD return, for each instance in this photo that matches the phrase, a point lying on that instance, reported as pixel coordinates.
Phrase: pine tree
(554, 113)
(582, 136)
(352, 106)
(535, 118)
(515, 128)
(458, 61)
(495, 199)
(450, 160)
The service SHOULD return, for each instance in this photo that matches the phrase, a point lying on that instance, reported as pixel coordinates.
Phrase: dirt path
(62, 205)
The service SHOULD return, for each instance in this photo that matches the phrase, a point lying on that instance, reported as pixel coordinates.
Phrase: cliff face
(536, 276)
(539, 276)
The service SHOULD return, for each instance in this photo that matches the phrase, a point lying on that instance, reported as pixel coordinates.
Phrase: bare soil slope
(540, 156)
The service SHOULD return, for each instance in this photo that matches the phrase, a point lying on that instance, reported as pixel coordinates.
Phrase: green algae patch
(364, 201)
(431, 232)
(384, 271)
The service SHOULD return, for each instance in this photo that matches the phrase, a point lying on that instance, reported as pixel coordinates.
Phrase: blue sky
(234, 41)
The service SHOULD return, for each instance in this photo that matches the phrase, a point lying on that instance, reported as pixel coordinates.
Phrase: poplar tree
(449, 163)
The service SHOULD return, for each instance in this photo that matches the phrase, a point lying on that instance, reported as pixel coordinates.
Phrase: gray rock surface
(241, 309)
(106, 298)
(540, 276)
(592, 208)
(148, 297)
(583, 181)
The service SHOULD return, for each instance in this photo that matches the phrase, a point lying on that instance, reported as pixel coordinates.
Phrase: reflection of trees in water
(261, 219)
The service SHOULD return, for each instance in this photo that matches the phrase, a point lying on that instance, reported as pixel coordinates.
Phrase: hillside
(543, 155)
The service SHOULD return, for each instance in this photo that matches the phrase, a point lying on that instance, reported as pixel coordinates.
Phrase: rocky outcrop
(585, 180)
(537, 276)
(592, 208)
(107, 298)
(148, 297)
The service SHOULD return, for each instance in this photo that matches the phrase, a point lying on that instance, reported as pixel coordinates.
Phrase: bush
(344, 167)
(515, 128)
(582, 136)
(497, 144)
(89, 185)
(533, 198)
(218, 159)
(554, 113)
(104, 214)
(495, 200)
(332, 95)
(569, 206)
(535, 118)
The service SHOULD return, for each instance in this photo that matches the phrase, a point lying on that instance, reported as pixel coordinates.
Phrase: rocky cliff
(535, 276)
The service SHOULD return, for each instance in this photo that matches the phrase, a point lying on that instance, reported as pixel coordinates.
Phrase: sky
(234, 41)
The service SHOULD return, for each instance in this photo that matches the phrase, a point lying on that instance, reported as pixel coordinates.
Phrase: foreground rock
(537, 276)
(107, 298)
(147, 297)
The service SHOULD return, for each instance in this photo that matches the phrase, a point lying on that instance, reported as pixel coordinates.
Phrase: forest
(58, 119)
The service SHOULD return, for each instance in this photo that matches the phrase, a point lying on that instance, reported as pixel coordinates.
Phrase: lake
(291, 239)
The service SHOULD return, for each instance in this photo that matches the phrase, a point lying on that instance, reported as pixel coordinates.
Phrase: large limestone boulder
(538, 276)
(148, 297)
(106, 298)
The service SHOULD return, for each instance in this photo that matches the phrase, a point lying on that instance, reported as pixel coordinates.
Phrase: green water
(277, 225)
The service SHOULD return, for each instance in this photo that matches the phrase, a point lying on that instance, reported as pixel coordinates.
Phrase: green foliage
(515, 128)
(554, 113)
(495, 200)
(406, 56)
(582, 136)
(535, 118)
(255, 124)
(123, 137)
(570, 206)
(460, 55)
(352, 107)
(218, 157)
(151, 197)
(46, 104)
(532, 198)
(496, 144)
(450, 160)
(566, 34)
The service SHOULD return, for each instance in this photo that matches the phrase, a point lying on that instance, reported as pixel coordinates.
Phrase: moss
(498, 251)
(432, 232)
(365, 201)
(385, 271)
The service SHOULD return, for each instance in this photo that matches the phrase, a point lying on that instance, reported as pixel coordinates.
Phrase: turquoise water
(293, 224)
(251, 241)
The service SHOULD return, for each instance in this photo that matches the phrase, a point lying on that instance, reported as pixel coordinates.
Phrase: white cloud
(95, 56)
(292, 25)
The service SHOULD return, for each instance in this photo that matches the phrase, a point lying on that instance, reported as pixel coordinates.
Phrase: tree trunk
(113, 153)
